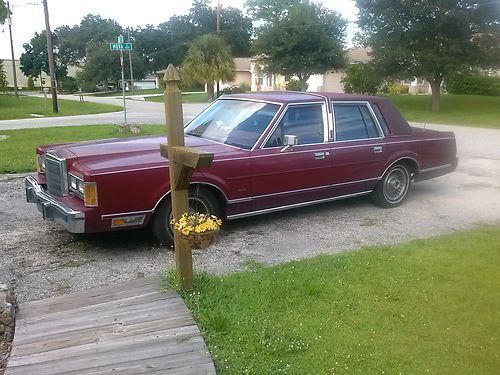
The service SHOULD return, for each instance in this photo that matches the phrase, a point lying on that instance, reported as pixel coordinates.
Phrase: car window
(381, 119)
(237, 123)
(303, 121)
(354, 121)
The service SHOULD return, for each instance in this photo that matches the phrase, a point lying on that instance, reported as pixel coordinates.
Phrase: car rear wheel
(200, 200)
(392, 189)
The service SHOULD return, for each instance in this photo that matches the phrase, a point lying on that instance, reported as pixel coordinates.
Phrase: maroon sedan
(273, 151)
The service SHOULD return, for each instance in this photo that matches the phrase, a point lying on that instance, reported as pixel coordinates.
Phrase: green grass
(18, 150)
(186, 98)
(24, 106)
(429, 306)
(469, 110)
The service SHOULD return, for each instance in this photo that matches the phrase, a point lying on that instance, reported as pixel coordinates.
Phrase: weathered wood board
(131, 328)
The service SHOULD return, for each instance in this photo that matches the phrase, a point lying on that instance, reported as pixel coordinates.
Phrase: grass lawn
(186, 98)
(469, 110)
(18, 150)
(24, 106)
(429, 306)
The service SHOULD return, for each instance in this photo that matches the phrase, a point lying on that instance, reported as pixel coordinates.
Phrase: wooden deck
(130, 328)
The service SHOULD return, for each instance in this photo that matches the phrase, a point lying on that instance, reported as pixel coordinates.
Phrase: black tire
(200, 200)
(393, 188)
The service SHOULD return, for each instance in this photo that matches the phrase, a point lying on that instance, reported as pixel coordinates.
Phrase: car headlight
(85, 190)
(73, 183)
(40, 163)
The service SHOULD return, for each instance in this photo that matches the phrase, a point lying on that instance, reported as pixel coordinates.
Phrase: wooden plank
(99, 291)
(111, 343)
(104, 306)
(122, 354)
(128, 329)
(186, 363)
(28, 334)
(88, 336)
(76, 300)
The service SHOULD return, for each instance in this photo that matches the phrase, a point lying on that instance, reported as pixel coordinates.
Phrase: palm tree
(208, 60)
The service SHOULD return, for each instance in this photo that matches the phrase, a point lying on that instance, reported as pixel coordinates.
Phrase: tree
(306, 39)
(3, 78)
(235, 28)
(431, 39)
(75, 42)
(4, 12)
(35, 59)
(270, 10)
(361, 79)
(208, 60)
(103, 66)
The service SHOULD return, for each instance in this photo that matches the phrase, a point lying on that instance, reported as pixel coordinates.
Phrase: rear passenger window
(354, 121)
(381, 119)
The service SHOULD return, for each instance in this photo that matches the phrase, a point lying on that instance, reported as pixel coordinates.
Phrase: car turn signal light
(90, 194)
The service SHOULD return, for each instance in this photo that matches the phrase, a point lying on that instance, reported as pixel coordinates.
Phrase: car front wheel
(200, 200)
(392, 189)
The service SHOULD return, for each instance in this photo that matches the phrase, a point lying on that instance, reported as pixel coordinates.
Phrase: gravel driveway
(41, 259)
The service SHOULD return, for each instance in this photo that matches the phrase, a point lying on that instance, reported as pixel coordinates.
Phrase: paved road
(138, 112)
(41, 259)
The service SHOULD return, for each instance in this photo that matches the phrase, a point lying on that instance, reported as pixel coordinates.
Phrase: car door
(284, 176)
(359, 147)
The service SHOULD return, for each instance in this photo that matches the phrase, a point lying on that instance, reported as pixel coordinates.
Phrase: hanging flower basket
(198, 230)
(200, 240)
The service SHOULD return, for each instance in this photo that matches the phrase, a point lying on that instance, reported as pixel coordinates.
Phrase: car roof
(297, 96)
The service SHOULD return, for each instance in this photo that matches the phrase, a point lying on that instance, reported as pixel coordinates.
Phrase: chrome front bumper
(51, 209)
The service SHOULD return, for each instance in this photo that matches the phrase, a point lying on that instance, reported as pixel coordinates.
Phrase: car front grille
(55, 173)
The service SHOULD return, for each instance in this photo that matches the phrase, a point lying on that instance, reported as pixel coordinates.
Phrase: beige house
(22, 80)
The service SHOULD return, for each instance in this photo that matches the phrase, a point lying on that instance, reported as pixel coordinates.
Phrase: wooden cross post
(183, 161)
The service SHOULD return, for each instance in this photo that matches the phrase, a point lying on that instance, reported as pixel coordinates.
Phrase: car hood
(139, 152)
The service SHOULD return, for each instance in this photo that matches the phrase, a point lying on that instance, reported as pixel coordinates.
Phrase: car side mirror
(289, 141)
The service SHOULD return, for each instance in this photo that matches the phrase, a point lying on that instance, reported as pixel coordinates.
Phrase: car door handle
(378, 149)
(321, 155)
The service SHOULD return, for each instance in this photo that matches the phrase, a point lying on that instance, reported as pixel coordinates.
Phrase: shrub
(392, 88)
(473, 83)
(31, 84)
(4, 85)
(361, 79)
(294, 85)
(236, 89)
(69, 84)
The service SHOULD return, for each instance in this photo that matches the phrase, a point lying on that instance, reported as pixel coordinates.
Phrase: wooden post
(183, 161)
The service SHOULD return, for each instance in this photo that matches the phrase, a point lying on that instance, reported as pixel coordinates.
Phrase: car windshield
(237, 123)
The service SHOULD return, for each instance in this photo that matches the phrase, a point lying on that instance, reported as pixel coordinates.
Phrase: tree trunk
(436, 94)
(303, 83)
(210, 91)
(218, 88)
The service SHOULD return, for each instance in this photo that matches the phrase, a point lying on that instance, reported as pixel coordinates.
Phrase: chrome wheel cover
(396, 185)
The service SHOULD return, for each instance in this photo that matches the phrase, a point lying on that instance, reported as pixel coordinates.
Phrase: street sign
(120, 46)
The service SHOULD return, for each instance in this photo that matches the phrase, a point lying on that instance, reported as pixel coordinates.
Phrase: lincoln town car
(272, 151)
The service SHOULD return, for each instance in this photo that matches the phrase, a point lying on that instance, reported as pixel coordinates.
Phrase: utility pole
(130, 62)
(50, 51)
(218, 16)
(14, 75)
(218, 32)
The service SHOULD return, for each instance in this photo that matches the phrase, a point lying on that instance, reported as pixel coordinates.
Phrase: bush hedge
(473, 83)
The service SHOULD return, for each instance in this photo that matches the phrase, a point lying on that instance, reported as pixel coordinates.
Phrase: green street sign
(120, 46)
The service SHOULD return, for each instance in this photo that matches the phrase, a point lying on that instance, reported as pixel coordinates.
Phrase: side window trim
(372, 114)
(324, 116)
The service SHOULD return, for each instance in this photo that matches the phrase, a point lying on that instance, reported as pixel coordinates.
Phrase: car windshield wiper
(193, 134)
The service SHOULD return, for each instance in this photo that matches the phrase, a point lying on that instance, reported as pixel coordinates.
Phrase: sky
(28, 15)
